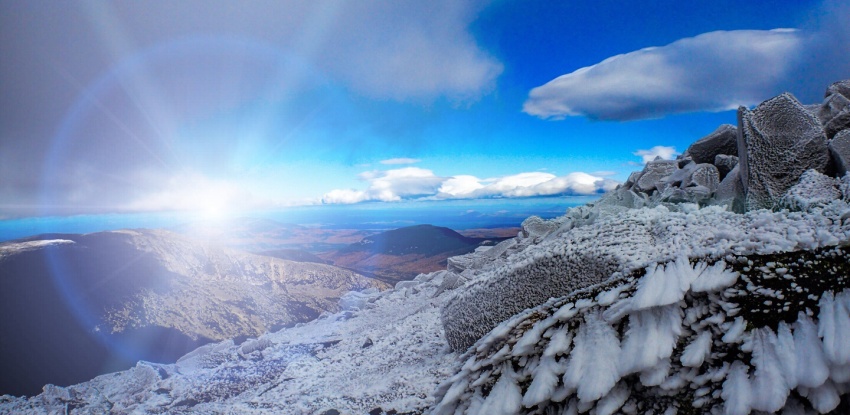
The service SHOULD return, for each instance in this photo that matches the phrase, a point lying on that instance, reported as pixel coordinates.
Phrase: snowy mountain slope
(83, 305)
(385, 350)
(666, 296)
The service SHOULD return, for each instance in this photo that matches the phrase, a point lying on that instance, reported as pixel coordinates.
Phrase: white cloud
(414, 183)
(711, 72)
(460, 185)
(400, 160)
(344, 196)
(389, 186)
(665, 152)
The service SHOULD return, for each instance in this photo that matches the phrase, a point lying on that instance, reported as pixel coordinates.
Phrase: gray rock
(705, 175)
(835, 110)
(652, 174)
(730, 192)
(725, 164)
(618, 197)
(681, 177)
(777, 142)
(633, 178)
(724, 140)
(676, 195)
(839, 150)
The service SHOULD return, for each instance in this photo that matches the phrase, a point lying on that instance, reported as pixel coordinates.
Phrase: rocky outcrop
(835, 111)
(725, 164)
(769, 150)
(723, 141)
(839, 149)
(650, 178)
(777, 142)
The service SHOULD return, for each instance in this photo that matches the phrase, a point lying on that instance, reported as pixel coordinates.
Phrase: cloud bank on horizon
(713, 71)
(414, 183)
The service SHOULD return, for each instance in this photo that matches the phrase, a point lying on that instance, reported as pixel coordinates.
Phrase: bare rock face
(653, 173)
(724, 140)
(835, 110)
(839, 149)
(777, 142)
(730, 191)
(725, 164)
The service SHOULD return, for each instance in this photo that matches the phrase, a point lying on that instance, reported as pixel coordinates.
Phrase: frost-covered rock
(777, 142)
(839, 149)
(588, 255)
(629, 355)
(653, 173)
(705, 175)
(535, 227)
(835, 110)
(725, 164)
(722, 141)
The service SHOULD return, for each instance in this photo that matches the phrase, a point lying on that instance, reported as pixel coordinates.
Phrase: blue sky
(111, 107)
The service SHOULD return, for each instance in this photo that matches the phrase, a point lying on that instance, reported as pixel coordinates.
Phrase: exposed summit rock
(835, 111)
(652, 174)
(839, 149)
(777, 142)
(723, 141)
(725, 164)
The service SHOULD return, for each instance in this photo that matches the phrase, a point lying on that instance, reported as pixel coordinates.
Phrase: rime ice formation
(676, 293)
(777, 142)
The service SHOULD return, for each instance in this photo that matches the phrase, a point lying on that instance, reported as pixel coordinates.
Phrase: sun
(214, 213)
(213, 206)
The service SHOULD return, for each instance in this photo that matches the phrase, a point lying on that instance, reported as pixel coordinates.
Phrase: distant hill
(298, 255)
(403, 253)
(75, 306)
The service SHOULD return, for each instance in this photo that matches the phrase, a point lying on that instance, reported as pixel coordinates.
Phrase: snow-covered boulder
(839, 149)
(723, 141)
(777, 142)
